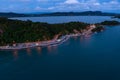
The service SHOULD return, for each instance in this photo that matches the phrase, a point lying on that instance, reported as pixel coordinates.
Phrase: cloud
(71, 2)
(75, 5)
(21, 0)
(25, 0)
(59, 5)
(112, 5)
(38, 8)
(42, 0)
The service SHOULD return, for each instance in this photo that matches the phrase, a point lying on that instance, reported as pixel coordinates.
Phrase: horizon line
(56, 12)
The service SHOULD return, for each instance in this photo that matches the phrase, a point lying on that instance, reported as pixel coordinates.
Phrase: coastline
(52, 42)
(41, 44)
(38, 44)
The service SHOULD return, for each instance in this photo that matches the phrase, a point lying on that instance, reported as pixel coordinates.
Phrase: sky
(30, 6)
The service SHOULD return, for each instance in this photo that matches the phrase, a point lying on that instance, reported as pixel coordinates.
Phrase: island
(17, 34)
(118, 16)
(110, 23)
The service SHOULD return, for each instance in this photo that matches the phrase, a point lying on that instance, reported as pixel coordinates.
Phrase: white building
(93, 26)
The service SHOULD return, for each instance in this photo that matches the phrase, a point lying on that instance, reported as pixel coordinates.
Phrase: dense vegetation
(85, 13)
(24, 31)
(110, 23)
(117, 17)
(98, 28)
(18, 31)
(10, 14)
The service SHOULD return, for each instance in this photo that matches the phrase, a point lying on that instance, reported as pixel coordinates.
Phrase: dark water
(93, 58)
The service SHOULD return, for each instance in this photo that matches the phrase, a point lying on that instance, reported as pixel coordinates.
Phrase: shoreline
(39, 44)
(52, 42)
(36, 44)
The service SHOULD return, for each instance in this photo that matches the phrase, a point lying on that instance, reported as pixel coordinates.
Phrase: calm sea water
(96, 57)
(63, 19)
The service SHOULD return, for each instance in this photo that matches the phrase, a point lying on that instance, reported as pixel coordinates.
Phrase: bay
(65, 19)
(96, 57)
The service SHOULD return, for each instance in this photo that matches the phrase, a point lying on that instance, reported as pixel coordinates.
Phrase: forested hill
(86, 13)
(12, 14)
(23, 31)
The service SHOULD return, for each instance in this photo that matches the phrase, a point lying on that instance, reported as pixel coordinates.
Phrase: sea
(96, 57)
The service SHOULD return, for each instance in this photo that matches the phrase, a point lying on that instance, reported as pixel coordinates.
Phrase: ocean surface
(65, 19)
(96, 57)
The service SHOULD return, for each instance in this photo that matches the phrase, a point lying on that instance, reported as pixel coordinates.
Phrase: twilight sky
(22, 6)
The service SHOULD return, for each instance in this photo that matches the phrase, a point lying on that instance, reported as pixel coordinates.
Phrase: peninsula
(17, 34)
(118, 16)
(110, 23)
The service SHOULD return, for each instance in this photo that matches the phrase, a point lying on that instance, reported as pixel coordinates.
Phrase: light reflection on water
(85, 39)
(39, 50)
(55, 47)
(15, 54)
(75, 37)
(49, 48)
(52, 49)
(29, 51)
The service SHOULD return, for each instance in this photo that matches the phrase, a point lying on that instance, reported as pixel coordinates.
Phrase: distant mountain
(12, 14)
(86, 13)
